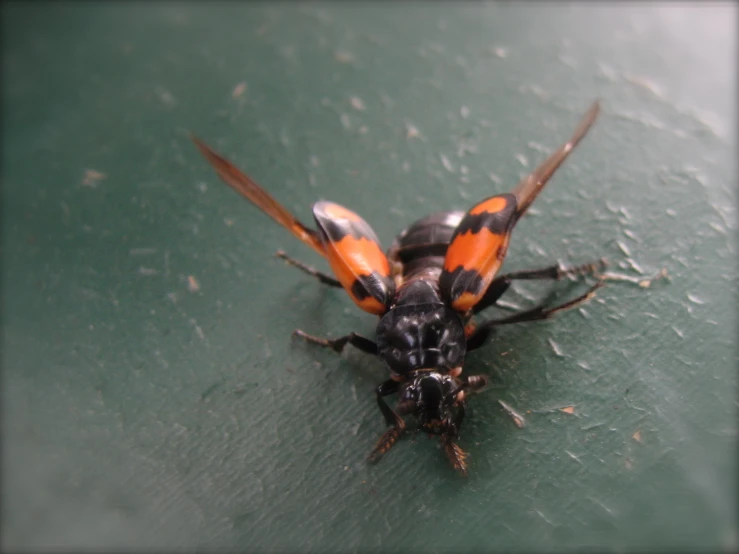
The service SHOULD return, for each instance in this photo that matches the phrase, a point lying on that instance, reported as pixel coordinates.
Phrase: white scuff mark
(166, 97)
(202, 186)
(522, 160)
(363, 130)
(567, 60)
(464, 111)
(574, 457)
(148, 271)
(538, 147)
(91, 178)
(141, 251)
(197, 328)
(238, 90)
(599, 503)
(695, 299)
(499, 52)
(607, 72)
(446, 163)
(542, 516)
(645, 84)
(537, 91)
(631, 235)
(357, 103)
(345, 121)
(517, 418)
(555, 348)
(624, 249)
(411, 131)
(192, 284)
(314, 161)
(494, 178)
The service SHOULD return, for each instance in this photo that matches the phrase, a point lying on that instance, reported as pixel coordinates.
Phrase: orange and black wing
(480, 242)
(232, 176)
(344, 238)
(355, 256)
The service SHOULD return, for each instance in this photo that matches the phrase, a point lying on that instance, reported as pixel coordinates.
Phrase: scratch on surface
(197, 328)
(542, 516)
(446, 163)
(148, 271)
(555, 348)
(515, 416)
(641, 280)
(599, 503)
(574, 457)
(539, 147)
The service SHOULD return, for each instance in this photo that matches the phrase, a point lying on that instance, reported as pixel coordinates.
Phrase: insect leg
(357, 341)
(455, 454)
(391, 436)
(555, 272)
(474, 383)
(322, 277)
(483, 330)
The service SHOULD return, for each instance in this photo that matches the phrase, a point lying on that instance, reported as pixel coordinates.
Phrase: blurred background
(152, 395)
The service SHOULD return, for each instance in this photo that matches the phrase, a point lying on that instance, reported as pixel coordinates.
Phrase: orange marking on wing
(491, 205)
(480, 251)
(351, 258)
(335, 211)
(466, 301)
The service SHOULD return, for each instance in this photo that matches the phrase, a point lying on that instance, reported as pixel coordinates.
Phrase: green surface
(139, 412)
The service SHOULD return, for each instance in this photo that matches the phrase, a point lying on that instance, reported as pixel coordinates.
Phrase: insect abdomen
(420, 249)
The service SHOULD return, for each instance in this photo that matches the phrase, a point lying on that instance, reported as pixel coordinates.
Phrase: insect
(439, 273)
